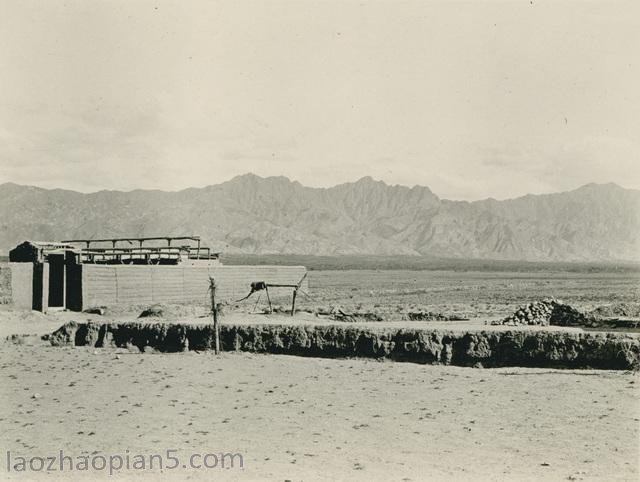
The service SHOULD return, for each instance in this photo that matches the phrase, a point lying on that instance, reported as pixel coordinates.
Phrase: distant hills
(251, 214)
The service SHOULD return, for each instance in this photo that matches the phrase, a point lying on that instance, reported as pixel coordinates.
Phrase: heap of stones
(545, 312)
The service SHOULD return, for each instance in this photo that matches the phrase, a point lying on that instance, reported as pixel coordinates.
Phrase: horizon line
(293, 181)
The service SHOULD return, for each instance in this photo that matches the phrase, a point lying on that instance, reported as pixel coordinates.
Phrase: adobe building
(79, 274)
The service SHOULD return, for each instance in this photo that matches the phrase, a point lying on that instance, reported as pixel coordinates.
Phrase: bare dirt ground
(302, 418)
(471, 294)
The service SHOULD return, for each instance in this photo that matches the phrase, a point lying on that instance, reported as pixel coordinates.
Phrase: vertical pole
(214, 312)
(293, 303)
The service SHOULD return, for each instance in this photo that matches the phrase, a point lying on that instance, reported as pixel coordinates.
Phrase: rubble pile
(545, 312)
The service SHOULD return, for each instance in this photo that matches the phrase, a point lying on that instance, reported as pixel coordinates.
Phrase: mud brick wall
(5, 284)
(16, 284)
(130, 285)
(613, 351)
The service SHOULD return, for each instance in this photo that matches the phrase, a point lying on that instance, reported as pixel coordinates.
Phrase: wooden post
(214, 312)
(293, 303)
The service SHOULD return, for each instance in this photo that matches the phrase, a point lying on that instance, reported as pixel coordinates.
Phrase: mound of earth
(154, 311)
(545, 312)
(65, 335)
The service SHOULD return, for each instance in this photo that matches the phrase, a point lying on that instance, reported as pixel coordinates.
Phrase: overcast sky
(471, 99)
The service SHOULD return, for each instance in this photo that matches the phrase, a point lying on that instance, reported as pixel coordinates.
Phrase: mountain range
(251, 214)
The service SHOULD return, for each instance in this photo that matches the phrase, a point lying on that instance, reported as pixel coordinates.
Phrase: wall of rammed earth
(483, 348)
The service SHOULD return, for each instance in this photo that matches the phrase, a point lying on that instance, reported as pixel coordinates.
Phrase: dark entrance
(73, 282)
(56, 280)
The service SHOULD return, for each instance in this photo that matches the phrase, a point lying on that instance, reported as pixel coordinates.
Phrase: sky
(475, 100)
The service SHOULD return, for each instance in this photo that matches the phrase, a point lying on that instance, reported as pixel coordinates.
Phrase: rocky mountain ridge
(251, 214)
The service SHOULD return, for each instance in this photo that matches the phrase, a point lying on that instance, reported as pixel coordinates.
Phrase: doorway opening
(56, 281)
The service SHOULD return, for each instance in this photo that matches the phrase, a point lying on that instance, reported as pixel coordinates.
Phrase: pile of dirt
(154, 311)
(545, 312)
(65, 335)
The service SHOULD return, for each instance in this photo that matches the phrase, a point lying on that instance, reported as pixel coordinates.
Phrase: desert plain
(295, 418)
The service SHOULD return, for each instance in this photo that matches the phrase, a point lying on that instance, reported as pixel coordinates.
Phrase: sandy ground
(302, 418)
(298, 418)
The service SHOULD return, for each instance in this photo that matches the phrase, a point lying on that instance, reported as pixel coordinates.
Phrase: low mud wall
(111, 285)
(484, 348)
(16, 284)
